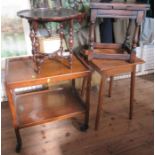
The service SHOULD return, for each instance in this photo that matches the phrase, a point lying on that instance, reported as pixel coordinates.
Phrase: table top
(20, 72)
(46, 14)
(120, 6)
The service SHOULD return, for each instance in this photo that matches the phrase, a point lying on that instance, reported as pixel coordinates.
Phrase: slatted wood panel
(116, 136)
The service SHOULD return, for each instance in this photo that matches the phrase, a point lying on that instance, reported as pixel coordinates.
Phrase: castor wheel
(84, 127)
(18, 148)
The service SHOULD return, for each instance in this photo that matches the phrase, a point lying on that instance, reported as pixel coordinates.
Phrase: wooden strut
(111, 56)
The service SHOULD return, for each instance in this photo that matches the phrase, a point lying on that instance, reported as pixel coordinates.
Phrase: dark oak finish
(133, 11)
(56, 103)
(41, 16)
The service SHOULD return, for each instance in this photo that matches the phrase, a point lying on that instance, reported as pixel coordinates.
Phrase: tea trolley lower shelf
(51, 105)
(57, 102)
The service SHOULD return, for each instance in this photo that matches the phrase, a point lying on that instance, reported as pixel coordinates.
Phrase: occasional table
(112, 59)
(134, 12)
(42, 16)
(34, 108)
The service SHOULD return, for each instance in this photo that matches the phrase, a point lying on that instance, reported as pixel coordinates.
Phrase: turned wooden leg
(84, 82)
(71, 42)
(110, 86)
(132, 88)
(85, 126)
(100, 101)
(19, 140)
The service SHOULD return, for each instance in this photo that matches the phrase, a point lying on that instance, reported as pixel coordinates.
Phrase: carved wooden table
(57, 103)
(41, 16)
(135, 12)
(110, 60)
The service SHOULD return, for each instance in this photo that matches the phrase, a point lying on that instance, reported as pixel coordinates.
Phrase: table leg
(71, 42)
(100, 101)
(14, 117)
(132, 88)
(73, 85)
(34, 25)
(19, 140)
(110, 86)
(85, 126)
(84, 82)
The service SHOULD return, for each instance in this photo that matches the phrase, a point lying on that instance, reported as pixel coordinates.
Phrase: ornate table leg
(37, 59)
(71, 42)
(140, 18)
(61, 38)
(127, 43)
(92, 39)
(135, 41)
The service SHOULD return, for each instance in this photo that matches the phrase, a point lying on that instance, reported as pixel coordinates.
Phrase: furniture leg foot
(19, 141)
(18, 148)
(84, 127)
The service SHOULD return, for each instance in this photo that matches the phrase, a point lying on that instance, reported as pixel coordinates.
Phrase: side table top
(20, 72)
(46, 14)
(120, 6)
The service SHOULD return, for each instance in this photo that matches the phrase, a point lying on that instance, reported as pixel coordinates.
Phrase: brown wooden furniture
(39, 107)
(110, 59)
(41, 16)
(135, 12)
(111, 68)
